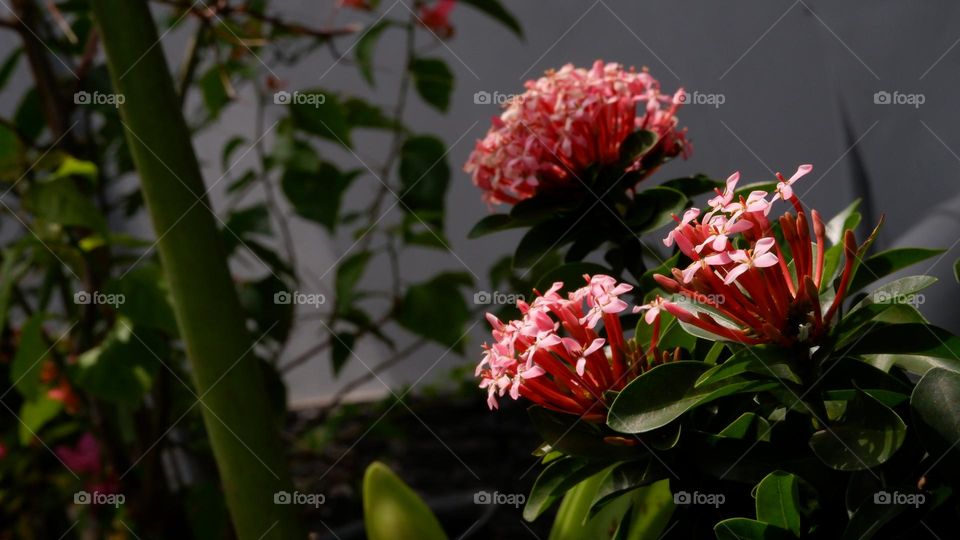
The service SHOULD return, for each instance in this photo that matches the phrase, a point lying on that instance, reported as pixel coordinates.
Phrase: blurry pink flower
(84, 457)
(569, 120)
(437, 17)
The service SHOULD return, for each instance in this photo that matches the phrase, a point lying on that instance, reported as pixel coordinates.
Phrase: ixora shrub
(750, 382)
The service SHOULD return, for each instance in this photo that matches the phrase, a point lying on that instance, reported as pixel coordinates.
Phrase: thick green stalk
(235, 407)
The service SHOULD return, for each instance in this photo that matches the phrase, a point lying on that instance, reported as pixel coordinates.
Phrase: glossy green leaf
(934, 404)
(908, 339)
(626, 477)
(392, 510)
(768, 362)
(433, 81)
(664, 393)
(866, 435)
(847, 219)
(555, 480)
(748, 529)
(887, 262)
(748, 426)
(661, 203)
(692, 186)
(778, 501)
(636, 145)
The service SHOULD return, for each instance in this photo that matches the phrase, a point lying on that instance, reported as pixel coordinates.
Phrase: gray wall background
(783, 68)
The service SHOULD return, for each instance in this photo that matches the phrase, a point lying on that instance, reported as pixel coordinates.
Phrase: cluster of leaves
(111, 363)
(853, 438)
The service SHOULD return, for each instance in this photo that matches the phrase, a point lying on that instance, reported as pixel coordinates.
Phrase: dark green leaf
(636, 145)
(424, 177)
(436, 310)
(664, 393)
(571, 274)
(747, 529)
(215, 95)
(568, 434)
(556, 479)
(692, 186)
(626, 477)
(122, 368)
(251, 221)
(934, 403)
(491, 224)
(320, 113)
(348, 275)
(32, 351)
(361, 114)
(433, 80)
(659, 204)
(146, 298)
(317, 195)
(365, 48)
(341, 350)
(748, 426)
(909, 339)
(495, 9)
(228, 149)
(866, 435)
(34, 414)
(59, 201)
(768, 362)
(29, 116)
(539, 240)
(778, 501)
(887, 262)
(12, 160)
(847, 219)
(9, 65)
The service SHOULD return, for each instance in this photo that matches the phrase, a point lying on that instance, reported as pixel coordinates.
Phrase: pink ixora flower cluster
(764, 296)
(567, 121)
(555, 355)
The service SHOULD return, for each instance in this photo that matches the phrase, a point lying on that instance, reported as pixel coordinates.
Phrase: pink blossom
(84, 457)
(785, 187)
(437, 17)
(567, 121)
(759, 258)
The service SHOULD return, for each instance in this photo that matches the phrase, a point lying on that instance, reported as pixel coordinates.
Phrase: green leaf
(9, 65)
(660, 204)
(341, 350)
(557, 478)
(913, 363)
(692, 186)
(317, 195)
(748, 426)
(365, 48)
(146, 298)
(424, 177)
(908, 339)
(361, 114)
(571, 274)
(122, 368)
(866, 435)
(392, 510)
(887, 262)
(59, 201)
(34, 414)
(747, 529)
(71, 166)
(626, 477)
(491, 224)
(228, 149)
(778, 501)
(29, 116)
(768, 362)
(348, 275)
(664, 393)
(28, 360)
(249, 221)
(320, 113)
(636, 145)
(934, 404)
(568, 434)
(433, 80)
(539, 240)
(12, 159)
(495, 10)
(215, 95)
(847, 219)
(436, 310)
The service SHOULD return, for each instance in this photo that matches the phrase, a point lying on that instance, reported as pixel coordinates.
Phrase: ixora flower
(437, 17)
(569, 120)
(571, 372)
(765, 290)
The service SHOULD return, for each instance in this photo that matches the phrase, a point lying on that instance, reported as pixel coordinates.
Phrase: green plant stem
(236, 411)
